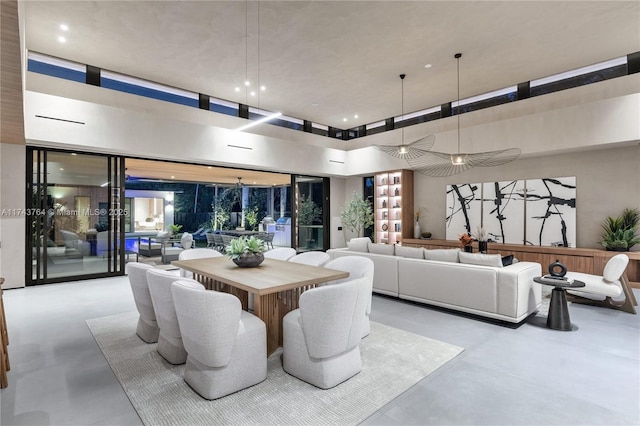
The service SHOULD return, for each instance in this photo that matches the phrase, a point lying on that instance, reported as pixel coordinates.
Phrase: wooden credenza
(589, 261)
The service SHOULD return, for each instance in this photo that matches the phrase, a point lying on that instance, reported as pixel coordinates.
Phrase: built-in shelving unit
(393, 206)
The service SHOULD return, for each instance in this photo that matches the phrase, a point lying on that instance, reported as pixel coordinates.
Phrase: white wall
(599, 124)
(608, 181)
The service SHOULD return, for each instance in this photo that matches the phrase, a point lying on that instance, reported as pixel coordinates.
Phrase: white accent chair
(196, 253)
(170, 345)
(357, 267)
(226, 346)
(610, 290)
(280, 253)
(321, 339)
(313, 258)
(147, 328)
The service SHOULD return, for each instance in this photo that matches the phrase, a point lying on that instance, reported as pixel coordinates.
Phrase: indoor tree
(356, 214)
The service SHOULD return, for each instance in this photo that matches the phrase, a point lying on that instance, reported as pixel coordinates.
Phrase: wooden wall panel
(11, 110)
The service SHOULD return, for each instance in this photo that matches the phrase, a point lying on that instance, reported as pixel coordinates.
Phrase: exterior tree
(357, 214)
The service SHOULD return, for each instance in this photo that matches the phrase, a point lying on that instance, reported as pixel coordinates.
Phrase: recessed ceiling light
(64, 27)
(344, 119)
(209, 167)
(173, 177)
(263, 88)
(253, 93)
(355, 116)
(254, 183)
(427, 66)
(61, 169)
(247, 83)
(237, 89)
(62, 39)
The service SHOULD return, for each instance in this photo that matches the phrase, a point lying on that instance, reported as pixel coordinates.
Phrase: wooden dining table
(276, 286)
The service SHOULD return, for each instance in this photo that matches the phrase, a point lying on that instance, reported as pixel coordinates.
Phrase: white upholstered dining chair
(147, 328)
(170, 345)
(321, 339)
(280, 253)
(357, 267)
(196, 253)
(313, 258)
(226, 346)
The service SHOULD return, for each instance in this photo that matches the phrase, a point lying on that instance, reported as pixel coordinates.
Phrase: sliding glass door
(75, 216)
(311, 200)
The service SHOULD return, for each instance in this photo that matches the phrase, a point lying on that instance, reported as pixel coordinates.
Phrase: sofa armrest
(517, 293)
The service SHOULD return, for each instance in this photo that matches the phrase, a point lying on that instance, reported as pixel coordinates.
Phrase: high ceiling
(325, 61)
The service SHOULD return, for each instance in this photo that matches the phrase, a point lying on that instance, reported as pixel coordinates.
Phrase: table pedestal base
(558, 317)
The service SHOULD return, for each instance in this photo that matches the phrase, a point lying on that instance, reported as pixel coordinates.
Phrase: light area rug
(393, 361)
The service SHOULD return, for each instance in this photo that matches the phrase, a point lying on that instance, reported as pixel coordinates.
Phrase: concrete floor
(523, 376)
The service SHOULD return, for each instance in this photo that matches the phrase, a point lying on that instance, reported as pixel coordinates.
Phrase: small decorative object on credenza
(481, 237)
(417, 232)
(465, 241)
(246, 252)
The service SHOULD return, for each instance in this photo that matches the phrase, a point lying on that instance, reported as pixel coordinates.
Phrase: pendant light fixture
(414, 149)
(254, 92)
(440, 164)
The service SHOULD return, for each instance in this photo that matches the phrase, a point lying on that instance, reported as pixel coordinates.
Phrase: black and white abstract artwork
(464, 209)
(532, 211)
(503, 211)
(551, 211)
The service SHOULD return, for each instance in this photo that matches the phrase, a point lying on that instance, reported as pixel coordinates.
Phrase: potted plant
(357, 214)
(246, 252)
(465, 241)
(174, 230)
(619, 233)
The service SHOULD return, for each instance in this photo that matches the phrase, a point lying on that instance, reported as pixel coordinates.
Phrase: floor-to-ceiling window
(74, 215)
(312, 211)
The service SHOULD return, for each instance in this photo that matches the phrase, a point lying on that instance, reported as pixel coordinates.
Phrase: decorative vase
(468, 249)
(249, 260)
(416, 230)
(482, 246)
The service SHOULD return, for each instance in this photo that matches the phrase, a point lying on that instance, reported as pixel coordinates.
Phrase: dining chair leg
(4, 339)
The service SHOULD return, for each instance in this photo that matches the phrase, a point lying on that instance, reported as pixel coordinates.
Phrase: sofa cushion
(387, 249)
(443, 255)
(413, 252)
(186, 241)
(359, 244)
(163, 235)
(494, 260)
(507, 260)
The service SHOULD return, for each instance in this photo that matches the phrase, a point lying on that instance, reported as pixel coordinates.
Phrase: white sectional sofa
(452, 279)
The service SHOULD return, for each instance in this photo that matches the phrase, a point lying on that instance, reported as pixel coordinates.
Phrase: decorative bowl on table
(248, 260)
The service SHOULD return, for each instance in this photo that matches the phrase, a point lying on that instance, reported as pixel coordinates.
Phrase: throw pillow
(443, 255)
(413, 252)
(381, 248)
(186, 241)
(494, 260)
(359, 244)
(163, 235)
(507, 260)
